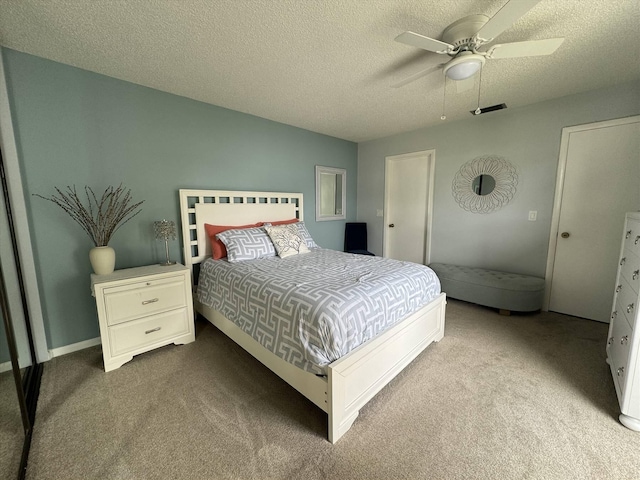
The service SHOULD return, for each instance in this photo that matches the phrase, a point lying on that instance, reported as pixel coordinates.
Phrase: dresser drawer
(626, 303)
(136, 300)
(618, 346)
(137, 334)
(630, 269)
(632, 236)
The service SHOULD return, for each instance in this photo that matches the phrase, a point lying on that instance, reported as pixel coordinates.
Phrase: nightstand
(142, 308)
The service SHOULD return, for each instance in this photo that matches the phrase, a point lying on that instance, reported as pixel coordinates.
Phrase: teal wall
(75, 127)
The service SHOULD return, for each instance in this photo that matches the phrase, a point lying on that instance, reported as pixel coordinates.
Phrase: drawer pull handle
(622, 260)
(624, 340)
(637, 240)
(635, 274)
(152, 330)
(618, 288)
(628, 234)
(630, 307)
(620, 371)
(153, 300)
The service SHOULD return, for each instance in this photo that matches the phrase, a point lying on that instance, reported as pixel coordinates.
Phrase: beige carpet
(499, 397)
(11, 429)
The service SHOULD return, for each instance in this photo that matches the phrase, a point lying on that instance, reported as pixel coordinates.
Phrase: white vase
(103, 260)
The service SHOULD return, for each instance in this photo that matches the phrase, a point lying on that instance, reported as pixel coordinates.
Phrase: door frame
(557, 201)
(430, 158)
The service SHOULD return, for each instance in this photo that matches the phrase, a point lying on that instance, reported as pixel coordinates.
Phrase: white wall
(529, 137)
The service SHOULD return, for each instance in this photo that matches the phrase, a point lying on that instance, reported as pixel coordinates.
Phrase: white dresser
(623, 344)
(143, 308)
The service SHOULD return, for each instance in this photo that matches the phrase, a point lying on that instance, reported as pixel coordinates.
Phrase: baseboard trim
(5, 367)
(74, 347)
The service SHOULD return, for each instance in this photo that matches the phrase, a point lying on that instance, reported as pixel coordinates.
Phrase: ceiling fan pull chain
(444, 97)
(478, 111)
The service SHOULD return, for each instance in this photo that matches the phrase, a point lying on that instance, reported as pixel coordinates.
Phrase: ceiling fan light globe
(464, 70)
(464, 66)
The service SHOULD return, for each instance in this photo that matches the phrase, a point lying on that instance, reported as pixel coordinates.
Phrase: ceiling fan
(463, 39)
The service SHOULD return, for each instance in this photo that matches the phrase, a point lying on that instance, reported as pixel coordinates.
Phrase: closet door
(20, 372)
(598, 182)
(11, 422)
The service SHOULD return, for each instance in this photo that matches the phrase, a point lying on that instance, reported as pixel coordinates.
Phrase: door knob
(565, 234)
(391, 225)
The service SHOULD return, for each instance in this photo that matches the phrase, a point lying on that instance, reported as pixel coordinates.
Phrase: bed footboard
(354, 379)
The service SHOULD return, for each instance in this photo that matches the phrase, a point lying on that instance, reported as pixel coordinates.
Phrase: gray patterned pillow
(306, 236)
(287, 240)
(247, 244)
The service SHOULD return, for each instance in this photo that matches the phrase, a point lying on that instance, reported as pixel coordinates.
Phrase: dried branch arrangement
(101, 217)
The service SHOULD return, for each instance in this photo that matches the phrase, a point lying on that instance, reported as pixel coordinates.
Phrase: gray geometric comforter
(313, 308)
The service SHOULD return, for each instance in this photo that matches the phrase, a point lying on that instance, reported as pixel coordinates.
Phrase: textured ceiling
(325, 65)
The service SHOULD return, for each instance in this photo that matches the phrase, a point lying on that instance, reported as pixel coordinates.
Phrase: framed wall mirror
(485, 184)
(331, 193)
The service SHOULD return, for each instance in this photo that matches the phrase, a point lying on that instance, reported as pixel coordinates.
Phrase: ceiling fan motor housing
(461, 32)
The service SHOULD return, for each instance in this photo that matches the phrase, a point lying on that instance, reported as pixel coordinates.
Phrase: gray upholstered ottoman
(504, 291)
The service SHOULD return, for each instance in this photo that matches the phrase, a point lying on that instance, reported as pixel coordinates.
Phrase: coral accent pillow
(218, 250)
(284, 222)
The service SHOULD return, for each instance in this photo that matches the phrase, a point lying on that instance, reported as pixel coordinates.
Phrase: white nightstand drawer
(144, 298)
(141, 333)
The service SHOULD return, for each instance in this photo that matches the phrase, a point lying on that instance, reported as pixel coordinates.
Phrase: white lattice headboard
(228, 207)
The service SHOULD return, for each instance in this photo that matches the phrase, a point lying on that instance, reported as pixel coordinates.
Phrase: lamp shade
(464, 66)
(164, 230)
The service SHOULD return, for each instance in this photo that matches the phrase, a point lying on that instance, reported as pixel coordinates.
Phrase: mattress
(314, 308)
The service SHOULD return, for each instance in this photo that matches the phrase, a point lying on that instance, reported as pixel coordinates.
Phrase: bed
(342, 386)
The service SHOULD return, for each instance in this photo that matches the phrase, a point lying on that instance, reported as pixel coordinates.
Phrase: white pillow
(287, 240)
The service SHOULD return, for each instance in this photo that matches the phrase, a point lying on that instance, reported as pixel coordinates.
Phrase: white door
(407, 216)
(601, 182)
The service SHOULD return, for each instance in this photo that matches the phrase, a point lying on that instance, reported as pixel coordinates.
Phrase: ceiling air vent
(492, 108)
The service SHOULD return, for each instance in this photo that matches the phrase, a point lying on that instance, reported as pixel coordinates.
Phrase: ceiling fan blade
(416, 76)
(525, 49)
(505, 17)
(420, 41)
(465, 85)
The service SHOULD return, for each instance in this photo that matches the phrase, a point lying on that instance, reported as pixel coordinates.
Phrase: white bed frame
(352, 380)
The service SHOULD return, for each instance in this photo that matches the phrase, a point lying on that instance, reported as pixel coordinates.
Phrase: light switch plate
(379, 213)
(533, 215)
